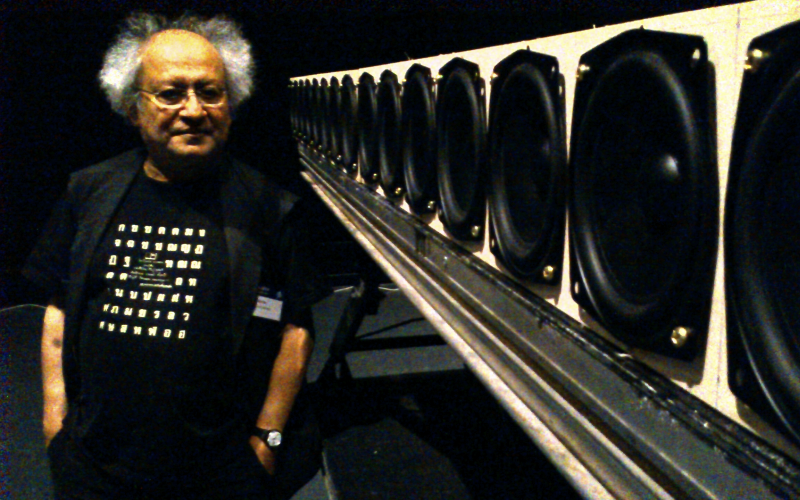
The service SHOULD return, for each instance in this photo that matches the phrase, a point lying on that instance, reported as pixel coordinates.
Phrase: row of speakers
(641, 185)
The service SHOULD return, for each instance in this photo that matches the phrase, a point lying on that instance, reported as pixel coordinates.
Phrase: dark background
(54, 119)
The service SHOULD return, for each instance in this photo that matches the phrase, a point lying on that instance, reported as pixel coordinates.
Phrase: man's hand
(264, 454)
(55, 396)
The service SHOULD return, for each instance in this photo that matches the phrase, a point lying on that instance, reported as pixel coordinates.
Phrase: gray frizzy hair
(122, 60)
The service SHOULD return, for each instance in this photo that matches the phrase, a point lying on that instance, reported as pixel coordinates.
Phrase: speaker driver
(348, 116)
(762, 233)
(461, 133)
(316, 114)
(334, 129)
(367, 137)
(644, 198)
(527, 200)
(419, 140)
(324, 109)
(306, 106)
(389, 152)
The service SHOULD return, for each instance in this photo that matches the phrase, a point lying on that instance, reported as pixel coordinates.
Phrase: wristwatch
(271, 437)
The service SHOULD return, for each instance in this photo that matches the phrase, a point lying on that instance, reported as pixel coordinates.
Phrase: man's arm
(284, 384)
(55, 396)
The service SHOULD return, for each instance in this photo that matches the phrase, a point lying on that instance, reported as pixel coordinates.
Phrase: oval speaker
(645, 196)
(389, 152)
(348, 116)
(293, 117)
(527, 169)
(306, 100)
(461, 134)
(323, 108)
(367, 136)
(316, 114)
(762, 233)
(419, 140)
(334, 129)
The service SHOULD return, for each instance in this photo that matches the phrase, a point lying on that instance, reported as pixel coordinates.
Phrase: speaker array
(641, 185)
(762, 234)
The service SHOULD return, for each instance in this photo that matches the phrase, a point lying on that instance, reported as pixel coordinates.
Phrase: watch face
(274, 439)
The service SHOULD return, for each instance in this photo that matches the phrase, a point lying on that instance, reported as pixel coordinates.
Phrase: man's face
(192, 134)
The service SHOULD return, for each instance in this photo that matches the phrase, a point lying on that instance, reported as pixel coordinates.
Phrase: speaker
(367, 136)
(644, 197)
(461, 147)
(762, 233)
(334, 129)
(306, 105)
(316, 114)
(527, 166)
(419, 140)
(390, 162)
(323, 127)
(348, 124)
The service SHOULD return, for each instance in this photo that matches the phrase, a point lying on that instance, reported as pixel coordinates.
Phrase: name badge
(269, 304)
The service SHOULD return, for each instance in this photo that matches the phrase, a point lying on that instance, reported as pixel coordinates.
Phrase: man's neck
(159, 171)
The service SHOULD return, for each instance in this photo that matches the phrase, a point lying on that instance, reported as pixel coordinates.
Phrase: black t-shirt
(157, 370)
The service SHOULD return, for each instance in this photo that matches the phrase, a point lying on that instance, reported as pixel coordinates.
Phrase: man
(177, 339)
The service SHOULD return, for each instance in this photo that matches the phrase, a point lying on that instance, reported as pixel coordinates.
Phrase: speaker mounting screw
(431, 205)
(754, 59)
(475, 231)
(548, 273)
(374, 177)
(339, 158)
(398, 191)
(581, 71)
(680, 335)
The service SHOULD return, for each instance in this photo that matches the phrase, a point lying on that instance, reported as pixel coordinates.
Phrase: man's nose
(192, 108)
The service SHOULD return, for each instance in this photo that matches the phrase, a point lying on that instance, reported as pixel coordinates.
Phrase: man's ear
(133, 115)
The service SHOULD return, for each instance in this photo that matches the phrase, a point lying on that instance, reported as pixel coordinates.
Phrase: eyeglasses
(174, 98)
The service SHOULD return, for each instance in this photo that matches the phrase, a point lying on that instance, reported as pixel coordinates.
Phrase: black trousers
(76, 477)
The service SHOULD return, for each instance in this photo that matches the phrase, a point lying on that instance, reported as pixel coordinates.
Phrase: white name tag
(269, 305)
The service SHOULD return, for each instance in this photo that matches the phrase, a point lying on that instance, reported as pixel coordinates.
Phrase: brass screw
(398, 191)
(548, 273)
(475, 231)
(581, 72)
(431, 205)
(375, 177)
(754, 59)
(680, 335)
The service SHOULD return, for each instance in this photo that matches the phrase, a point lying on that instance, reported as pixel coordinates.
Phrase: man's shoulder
(119, 165)
(262, 187)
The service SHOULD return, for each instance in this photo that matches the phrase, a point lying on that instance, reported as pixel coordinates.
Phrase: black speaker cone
(644, 204)
(762, 235)
(419, 140)
(334, 127)
(528, 167)
(367, 136)
(389, 152)
(461, 134)
(323, 127)
(348, 116)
